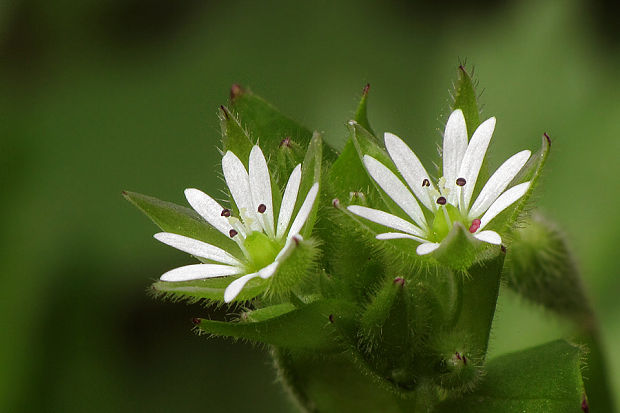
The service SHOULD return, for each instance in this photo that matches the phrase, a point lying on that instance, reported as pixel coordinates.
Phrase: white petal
(235, 287)
(288, 201)
(385, 218)
(395, 189)
(197, 248)
(504, 201)
(238, 182)
(199, 271)
(491, 237)
(410, 168)
(209, 209)
(304, 211)
(427, 248)
(474, 155)
(260, 185)
(398, 235)
(269, 270)
(498, 182)
(288, 247)
(454, 147)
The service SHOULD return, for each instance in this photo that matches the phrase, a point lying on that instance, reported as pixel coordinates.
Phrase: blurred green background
(101, 96)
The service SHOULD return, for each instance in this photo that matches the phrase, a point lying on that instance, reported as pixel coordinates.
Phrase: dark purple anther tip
(441, 200)
(232, 233)
(262, 208)
(475, 225)
(426, 182)
(225, 212)
(461, 181)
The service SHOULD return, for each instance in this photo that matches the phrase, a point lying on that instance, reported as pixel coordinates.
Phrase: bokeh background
(101, 96)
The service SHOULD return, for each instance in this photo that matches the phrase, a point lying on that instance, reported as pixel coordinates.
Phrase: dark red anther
(232, 233)
(441, 200)
(399, 280)
(262, 208)
(475, 225)
(584, 404)
(461, 181)
(286, 142)
(426, 182)
(225, 212)
(195, 321)
(331, 318)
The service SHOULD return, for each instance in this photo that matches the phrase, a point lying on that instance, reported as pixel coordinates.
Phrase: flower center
(261, 250)
(448, 210)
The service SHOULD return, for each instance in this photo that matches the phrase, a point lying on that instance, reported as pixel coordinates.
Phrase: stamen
(441, 200)
(399, 280)
(426, 182)
(225, 213)
(262, 208)
(232, 233)
(461, 181)
(286, 142)
(475, 225)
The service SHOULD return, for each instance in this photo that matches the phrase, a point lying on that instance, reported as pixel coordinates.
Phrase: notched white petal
(504, 201)
(200, 271)
(410, 168)
(491, 237)
(427, 248)
(235, 287)
(209, 209)
(304, 211)
(473, 157)
(196, 248)
(260, 187)
(454, 147)
(238, 182)
(395, 189)
(288, 201)
(398, 235)
(269, 270)
(386, 219)
(498, 182)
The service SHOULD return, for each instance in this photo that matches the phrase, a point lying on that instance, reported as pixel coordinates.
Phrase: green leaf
(465, 99)
(308, 328)
(209, 289)
(361, 115)
(545, 379)
(180, 220)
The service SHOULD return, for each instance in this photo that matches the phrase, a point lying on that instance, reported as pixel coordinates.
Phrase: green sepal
(465, 99)
(307, 328)
(294, 268)
(267, 124)
(234, 137)
(210, 290)
(179, 220)
(266, 313)
(542, 268)
(386, 333)
(361, 114)
(545, 378)
(459, 249)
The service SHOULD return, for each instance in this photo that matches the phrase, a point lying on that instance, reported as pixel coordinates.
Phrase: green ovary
(261, 249)
(441, 227)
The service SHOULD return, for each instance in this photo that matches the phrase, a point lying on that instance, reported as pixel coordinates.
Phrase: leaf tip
(547, 138)
(584, 404)
(196, 321)
(366, 90)
(400, 281)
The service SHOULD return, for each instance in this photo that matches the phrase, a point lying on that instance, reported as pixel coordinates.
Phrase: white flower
(263, 243)
(450, 200)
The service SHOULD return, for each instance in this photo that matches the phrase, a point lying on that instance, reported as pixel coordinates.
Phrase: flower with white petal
(450, 200)
(263, 242)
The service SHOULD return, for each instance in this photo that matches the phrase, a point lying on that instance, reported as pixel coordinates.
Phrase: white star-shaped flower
(450, 200)
(264, 244)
